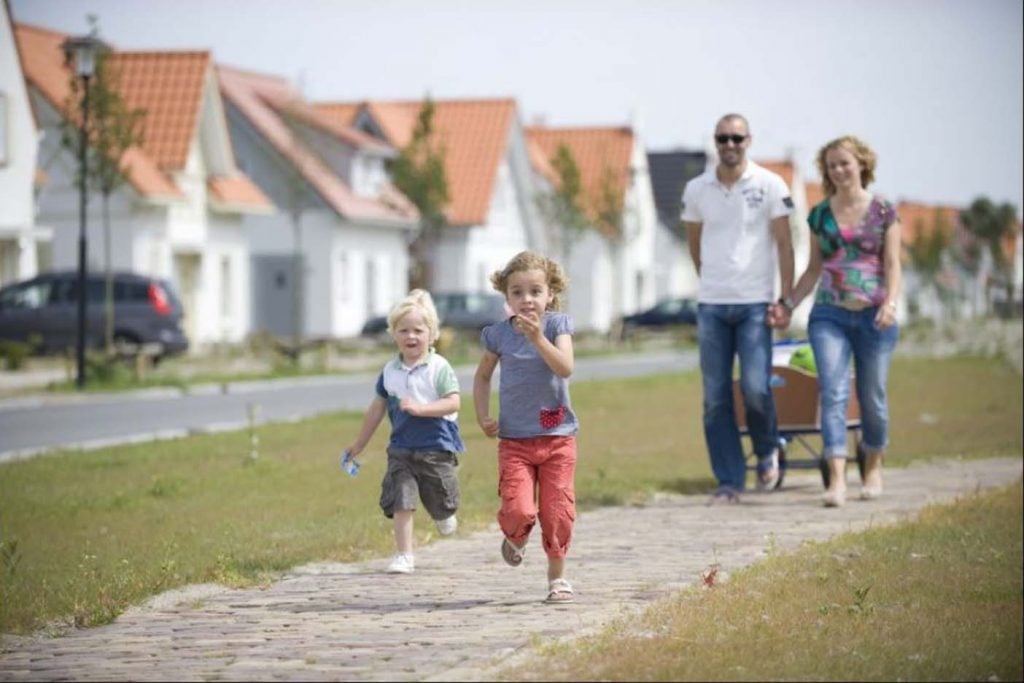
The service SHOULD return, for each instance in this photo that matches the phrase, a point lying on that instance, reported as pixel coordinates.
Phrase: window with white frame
(343, 275)
(226, 306)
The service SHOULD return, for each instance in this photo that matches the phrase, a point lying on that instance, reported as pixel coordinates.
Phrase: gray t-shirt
(532, 400)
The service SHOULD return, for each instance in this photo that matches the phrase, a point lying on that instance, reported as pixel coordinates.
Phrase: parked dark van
(43, 312)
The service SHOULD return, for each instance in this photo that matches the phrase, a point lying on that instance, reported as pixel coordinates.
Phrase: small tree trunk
(108, 299)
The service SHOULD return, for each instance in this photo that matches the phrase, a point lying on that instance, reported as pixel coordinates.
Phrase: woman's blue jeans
(837, 333)
(725, 331)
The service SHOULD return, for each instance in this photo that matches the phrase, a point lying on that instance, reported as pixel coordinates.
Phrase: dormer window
(368, 175)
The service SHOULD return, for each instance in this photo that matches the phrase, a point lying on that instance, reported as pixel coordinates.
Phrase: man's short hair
(738, 117)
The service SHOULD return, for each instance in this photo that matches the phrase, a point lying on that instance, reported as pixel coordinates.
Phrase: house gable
(474, 135)
(603, 156)
(174, 89)
(325, 153)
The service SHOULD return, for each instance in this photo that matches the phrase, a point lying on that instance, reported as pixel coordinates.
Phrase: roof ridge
(249, 72)
(581, 129)
(38, 29)
(204, 53)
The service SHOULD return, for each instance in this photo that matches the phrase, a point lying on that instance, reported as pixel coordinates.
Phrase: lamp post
(82, 51)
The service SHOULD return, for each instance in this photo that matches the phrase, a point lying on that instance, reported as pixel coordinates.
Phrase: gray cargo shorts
(426, 475)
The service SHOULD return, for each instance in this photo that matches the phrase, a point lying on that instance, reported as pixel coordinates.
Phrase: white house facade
(19, 143)
(336, 254)
(179, 215)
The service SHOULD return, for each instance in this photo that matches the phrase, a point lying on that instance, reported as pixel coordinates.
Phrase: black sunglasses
(735, 139)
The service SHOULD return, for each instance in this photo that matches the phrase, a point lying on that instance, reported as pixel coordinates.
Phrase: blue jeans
(835, 334)
(725, 331)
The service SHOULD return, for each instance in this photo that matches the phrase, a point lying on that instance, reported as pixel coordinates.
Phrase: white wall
(591, 284)
(470, 254)
(18, 155)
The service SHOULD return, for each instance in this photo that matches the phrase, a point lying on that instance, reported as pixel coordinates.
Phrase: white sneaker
(402, 563)
(447, 527)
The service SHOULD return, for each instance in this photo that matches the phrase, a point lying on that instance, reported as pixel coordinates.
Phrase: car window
(26, 297)
(131, 291)
(478, 303)
(671, 306)
(96, 288)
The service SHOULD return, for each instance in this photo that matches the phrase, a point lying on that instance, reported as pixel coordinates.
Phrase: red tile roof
(43, 61)
(169, 86)
(473, 134)
(601, 154)
(234, 192)
(814, 193)
(921, 219)
(782, 168)
(266, 101)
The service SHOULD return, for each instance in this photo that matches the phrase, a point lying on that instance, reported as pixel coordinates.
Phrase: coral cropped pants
(536, 479)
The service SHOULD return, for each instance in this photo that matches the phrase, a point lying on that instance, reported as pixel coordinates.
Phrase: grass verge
(84, 534)
(935, 599)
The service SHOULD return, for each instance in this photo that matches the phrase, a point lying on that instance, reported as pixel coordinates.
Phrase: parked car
(458, 310)
(43, 312)
(675, 311)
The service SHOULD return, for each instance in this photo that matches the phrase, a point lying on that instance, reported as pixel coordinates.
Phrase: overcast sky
(935, 86)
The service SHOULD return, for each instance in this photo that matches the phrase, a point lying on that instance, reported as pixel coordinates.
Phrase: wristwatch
(787, 302)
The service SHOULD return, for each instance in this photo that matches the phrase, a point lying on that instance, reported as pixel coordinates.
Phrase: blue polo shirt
(425, 382)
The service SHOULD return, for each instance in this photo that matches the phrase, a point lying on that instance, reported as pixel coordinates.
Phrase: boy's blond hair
(529, 260)
(416, 300)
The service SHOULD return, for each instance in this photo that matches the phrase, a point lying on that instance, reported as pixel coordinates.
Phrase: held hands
(779, 316)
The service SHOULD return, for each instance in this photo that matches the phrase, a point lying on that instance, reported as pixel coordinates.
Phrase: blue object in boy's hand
(349, 463)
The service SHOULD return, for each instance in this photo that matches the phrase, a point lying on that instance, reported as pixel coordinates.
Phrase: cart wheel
(826, 473)
(861, 459)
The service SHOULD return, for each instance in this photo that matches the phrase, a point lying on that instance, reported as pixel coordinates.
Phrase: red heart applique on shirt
(552, 417)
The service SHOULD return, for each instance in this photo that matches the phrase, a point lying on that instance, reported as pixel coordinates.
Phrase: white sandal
(560, 592)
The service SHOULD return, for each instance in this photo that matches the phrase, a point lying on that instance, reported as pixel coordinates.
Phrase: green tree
(562, 206)
(992, 224)
(419, 173)
(927, 251)
(113, 128)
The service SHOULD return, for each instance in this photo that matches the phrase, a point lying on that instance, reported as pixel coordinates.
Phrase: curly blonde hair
(529, 260)
(860, 150)
(417, 299)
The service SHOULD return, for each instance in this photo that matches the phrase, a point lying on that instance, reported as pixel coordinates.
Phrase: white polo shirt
(737, 248)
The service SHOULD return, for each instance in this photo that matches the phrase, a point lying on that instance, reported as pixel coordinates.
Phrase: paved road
(35, 425)
(464, 613)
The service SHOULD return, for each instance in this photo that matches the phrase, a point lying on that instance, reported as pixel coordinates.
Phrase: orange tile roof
(601, 154)
(266, 100)
(43, 62)
(814, 193)
(782, 168)
(473, 133)
(233, 192)
(340, 112)
(169, 86)
(917, 218)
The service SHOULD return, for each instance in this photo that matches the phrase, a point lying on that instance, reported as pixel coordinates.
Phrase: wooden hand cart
(798, 411)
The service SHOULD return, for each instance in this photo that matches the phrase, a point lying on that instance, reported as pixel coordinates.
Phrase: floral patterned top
(852, 255)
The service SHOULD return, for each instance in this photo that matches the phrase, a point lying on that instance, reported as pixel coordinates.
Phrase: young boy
(419, 392)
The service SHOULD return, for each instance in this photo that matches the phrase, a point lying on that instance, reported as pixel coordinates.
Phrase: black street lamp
(82, 52)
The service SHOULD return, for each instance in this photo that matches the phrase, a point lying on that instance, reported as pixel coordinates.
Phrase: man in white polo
(737, 222)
